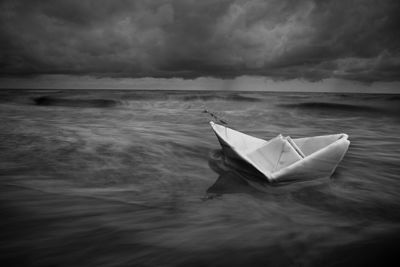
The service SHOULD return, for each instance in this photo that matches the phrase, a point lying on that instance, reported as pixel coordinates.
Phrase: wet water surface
(137, 178)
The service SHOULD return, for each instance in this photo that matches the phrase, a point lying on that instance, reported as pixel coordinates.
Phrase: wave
(210, 97)
(394, 98)
(69, 102)
(332, 106)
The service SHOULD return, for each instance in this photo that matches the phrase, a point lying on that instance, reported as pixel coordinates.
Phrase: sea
(138, 178)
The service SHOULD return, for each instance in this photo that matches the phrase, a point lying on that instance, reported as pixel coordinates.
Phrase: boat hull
(323, 154)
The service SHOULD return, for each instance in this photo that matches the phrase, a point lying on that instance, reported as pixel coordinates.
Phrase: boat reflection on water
(237, 176)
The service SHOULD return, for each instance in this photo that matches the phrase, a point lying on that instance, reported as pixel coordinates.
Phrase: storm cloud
(354, 39)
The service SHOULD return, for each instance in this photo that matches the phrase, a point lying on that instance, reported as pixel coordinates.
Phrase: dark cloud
(354, 39)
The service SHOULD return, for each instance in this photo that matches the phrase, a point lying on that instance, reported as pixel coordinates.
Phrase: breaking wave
(210, 97)
(69, 102)
(332, 106)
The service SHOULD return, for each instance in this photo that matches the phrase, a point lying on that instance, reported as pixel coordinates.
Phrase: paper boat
(283, 159)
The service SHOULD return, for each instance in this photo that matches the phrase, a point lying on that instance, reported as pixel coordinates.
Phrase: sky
(272, 45)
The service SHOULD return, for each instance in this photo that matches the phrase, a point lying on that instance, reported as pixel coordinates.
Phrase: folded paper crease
(283, 158)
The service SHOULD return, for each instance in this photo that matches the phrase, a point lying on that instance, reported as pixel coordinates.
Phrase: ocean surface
(137, 178)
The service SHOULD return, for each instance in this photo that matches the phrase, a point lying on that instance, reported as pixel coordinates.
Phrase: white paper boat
(282, 158)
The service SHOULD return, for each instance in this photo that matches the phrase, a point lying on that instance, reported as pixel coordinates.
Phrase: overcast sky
(205, 44)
